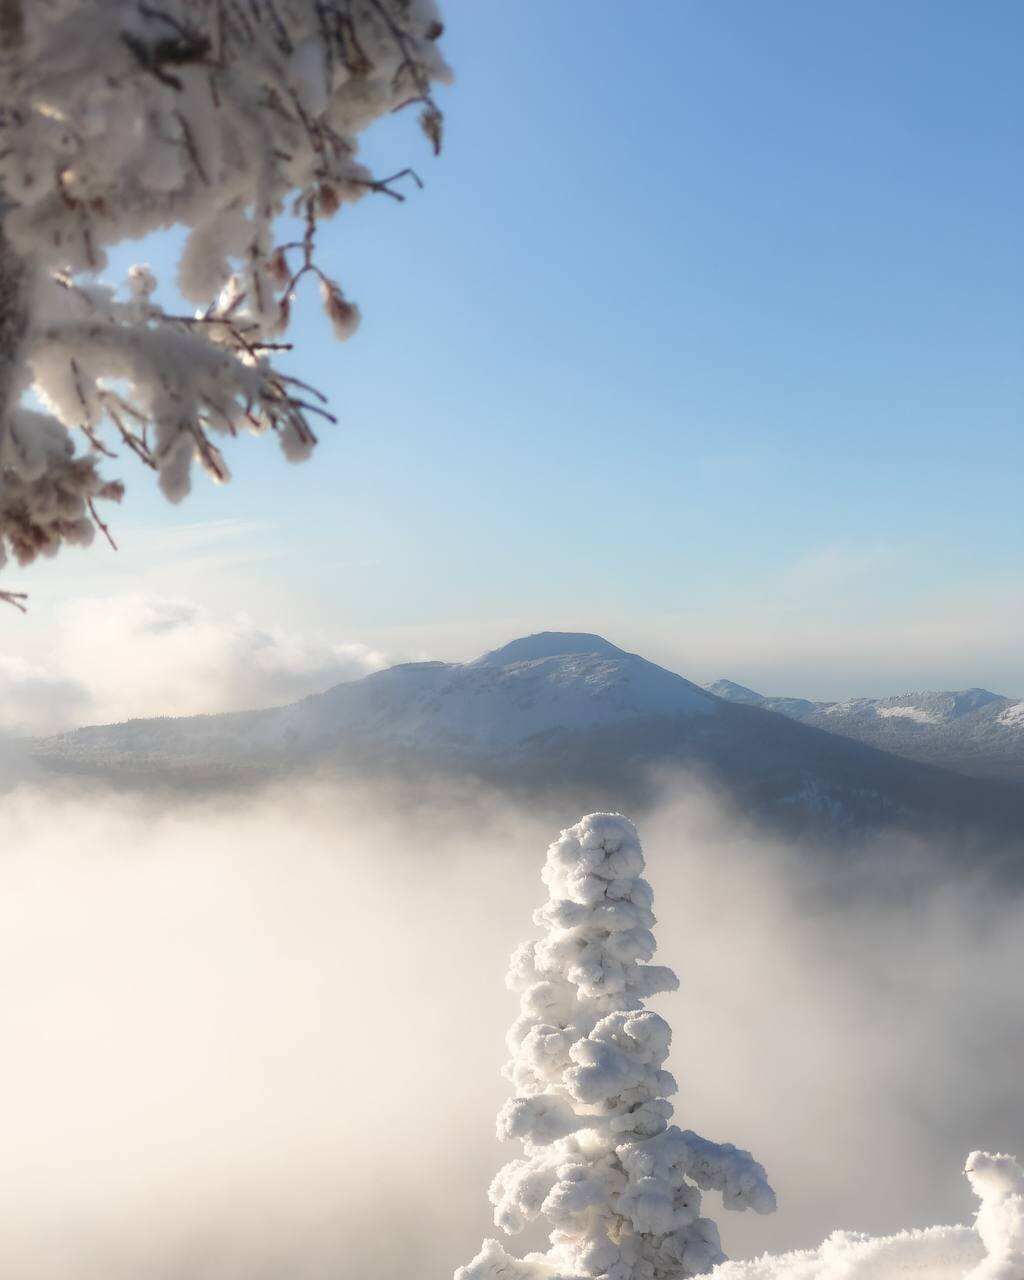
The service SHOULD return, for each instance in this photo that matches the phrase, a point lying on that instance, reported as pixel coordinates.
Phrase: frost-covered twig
(122, 117)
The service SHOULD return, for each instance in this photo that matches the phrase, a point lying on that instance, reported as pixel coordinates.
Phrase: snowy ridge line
(535, 714)
(971, 731)
(552, 681)
(620, 1186)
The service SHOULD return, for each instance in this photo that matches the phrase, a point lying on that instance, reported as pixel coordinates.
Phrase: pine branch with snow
(119, 118)
(620, 1186)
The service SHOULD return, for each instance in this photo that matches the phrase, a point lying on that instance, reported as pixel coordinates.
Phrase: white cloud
(122, 657)
(34, 698)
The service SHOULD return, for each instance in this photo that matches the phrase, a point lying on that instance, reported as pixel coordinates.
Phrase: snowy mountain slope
(554, 680)
(560, 713)
(534, 686)
(733, 692)
(971, 731)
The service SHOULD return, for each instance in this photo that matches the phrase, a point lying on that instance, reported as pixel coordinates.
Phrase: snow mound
(992, 1250)
(998, 1181)
(939, 1253)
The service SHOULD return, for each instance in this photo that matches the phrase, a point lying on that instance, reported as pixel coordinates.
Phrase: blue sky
(705, 333)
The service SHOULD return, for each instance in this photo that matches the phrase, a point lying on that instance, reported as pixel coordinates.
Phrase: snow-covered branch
(122, 117)
(620, 1186)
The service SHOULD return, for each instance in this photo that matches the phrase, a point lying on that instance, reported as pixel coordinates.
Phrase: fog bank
(260, 1035)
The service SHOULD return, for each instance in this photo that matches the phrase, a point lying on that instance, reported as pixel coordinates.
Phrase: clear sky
(705, 334)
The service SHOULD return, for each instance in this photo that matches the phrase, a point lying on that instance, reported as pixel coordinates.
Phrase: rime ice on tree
(620, 1186)
(118, 119)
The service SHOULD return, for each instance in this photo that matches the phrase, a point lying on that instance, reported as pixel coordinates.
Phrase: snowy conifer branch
(619, 1185)
(122, 117)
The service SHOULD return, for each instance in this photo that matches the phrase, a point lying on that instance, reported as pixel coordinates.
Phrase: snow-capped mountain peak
(554, 682)
(733, 692)
(549, 644)
(568, 709)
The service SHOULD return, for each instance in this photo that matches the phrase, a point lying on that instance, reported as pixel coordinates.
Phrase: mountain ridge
(971, 731)
(558, 711)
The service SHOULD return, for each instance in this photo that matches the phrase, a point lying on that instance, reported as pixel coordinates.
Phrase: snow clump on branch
(119, 118)
(620, 1186)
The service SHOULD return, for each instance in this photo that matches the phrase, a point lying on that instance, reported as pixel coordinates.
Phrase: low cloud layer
(113, 659)
(260, 1036)
(37, 698)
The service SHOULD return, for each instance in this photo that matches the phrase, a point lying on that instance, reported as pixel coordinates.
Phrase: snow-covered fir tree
(620, 1186)
(122, 117)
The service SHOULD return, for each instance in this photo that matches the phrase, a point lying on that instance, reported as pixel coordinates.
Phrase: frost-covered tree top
(122, 117)
(620, 1187)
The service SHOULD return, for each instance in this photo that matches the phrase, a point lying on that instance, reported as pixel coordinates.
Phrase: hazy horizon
(101, 659)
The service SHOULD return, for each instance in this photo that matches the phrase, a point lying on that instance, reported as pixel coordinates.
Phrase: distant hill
(971, 731)
(557, 712)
